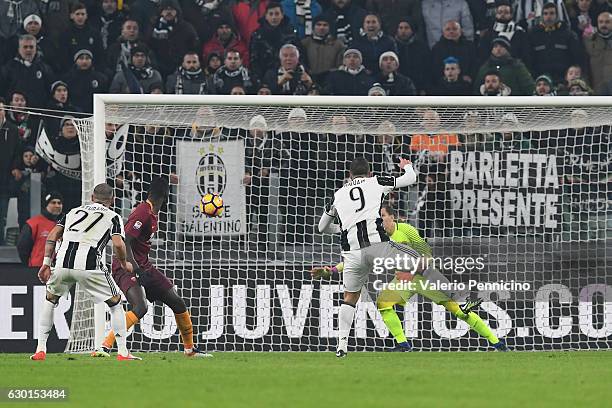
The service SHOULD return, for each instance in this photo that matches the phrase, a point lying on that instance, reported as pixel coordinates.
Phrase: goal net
(513, 196)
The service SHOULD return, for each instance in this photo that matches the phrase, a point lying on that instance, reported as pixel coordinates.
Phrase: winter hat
(545, 78)
(377, 89)
(451, 60)
(57, 84)
(503, 41)
(30, 18)
(83, 51)
(353, 51)
(322, 17)
(388, 54)
(296, 113)
(170, 4)
(258, 122)
(53, 195)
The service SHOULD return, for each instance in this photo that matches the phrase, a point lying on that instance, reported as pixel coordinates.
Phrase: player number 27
(358, 197)
(99, 216)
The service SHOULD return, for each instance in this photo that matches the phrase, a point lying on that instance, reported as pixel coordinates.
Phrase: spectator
(290, 78)
(583, 17)
(436, 13)
(213, 63)
(505, 26)
(59, 99)
(67, 183)
(454, 44)
(394, 83)
(140, 69)
(264, 89)
(205, 15)
(599, 50)
(27, 164)
(516, 76)
(414, 55)
(109, 22)
(189, 78)
(301, 14)
(544, 86)
(84, 81)
(226, 39)
(392, 12)
(377, 90)
(572, 72)
(323, 51)
(80, 35)
(452, 84)
(274, 32)
(120, 49)
(372, 42)
(28, 126)
(9, 137)
(172, 37)
(492, 85)
(237, 90)
(578, 87)
(33, 237)
(247, 15)
(45, 49)
(156, 88)
(530, 13)
(28, 73)
(346, 19)
(351, 78)
(231, 75)
(12, 14)
(554, 46)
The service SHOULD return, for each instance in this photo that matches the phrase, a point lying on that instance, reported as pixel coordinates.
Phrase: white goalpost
(520, 185)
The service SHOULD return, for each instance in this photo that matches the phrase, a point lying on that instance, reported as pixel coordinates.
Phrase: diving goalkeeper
(405, 233)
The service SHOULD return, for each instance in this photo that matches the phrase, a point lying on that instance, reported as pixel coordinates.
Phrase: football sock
(118, 325)
(345, 317)
(130, 320)
(394, 324)
(45, 324)
(474, 321)
(183, 321)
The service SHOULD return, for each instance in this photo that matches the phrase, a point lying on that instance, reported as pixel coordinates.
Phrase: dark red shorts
(157, 286)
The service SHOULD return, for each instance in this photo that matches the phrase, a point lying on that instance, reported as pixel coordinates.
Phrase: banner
(67, 164)
(211, 167)
(505, 189)
(115, 151)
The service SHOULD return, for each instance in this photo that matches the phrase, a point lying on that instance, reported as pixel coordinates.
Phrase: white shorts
(98, 284)
(359, 263)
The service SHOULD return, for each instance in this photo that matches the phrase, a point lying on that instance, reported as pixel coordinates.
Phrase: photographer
(290, 78)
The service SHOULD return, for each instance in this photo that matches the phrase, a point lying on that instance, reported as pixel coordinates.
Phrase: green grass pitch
(542, 379)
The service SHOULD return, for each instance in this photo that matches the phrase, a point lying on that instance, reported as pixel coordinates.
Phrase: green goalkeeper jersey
(409, 235)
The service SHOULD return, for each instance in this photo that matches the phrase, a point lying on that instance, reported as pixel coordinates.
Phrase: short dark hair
(360, 167)
(158, 190)
(103, 192)
(273, 5)
(492, 72)
(389, 209)
(77, 6)
(550, 6)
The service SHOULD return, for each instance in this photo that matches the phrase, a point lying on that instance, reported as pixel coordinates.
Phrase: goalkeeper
(405, 233)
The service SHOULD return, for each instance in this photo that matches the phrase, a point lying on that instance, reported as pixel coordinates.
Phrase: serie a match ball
(211, 205)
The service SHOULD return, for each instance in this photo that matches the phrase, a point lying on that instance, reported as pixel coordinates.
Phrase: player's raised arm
(326, 223)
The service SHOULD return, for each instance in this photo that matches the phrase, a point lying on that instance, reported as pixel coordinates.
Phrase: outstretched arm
(326, 223)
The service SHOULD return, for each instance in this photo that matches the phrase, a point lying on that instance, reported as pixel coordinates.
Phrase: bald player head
(103, 194)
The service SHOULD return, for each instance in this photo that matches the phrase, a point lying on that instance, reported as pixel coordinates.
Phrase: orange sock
(130, 320)
(183, 321)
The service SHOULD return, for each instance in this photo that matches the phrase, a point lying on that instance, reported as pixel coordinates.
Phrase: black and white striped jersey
(357, 206)
(87, 230)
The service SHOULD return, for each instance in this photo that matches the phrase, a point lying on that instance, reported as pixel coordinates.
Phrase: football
(211, 205)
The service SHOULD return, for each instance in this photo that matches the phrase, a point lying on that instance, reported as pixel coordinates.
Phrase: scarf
(183, 74)
(304, 14)
(343, 28)
(106, 22)
(506, 29)
(246, 79)
(300, 88)
(351, 71)
(25, 63)
(145, 72)
(14, 11)
(162, 29)
(318, 38)
(606, 37)
(364, 34)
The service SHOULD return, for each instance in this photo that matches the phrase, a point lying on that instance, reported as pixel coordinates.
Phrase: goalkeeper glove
(323, 272)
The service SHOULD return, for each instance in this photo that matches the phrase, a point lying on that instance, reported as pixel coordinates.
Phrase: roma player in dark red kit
(141, 225)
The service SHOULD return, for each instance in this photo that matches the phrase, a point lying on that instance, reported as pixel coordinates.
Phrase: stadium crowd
(55, 54)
